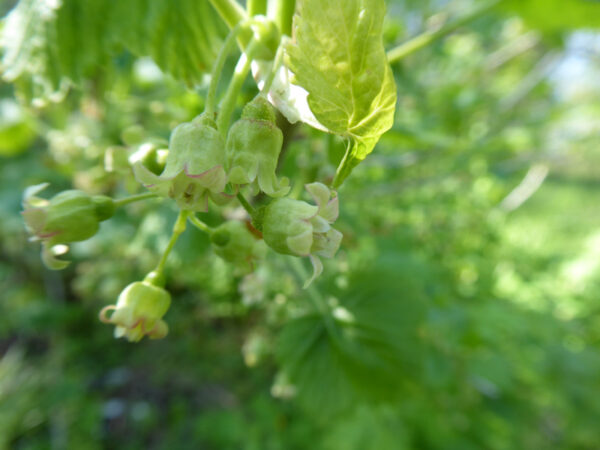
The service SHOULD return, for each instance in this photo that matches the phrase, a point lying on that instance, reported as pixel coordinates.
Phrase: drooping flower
(253, 147)
(294, 227)
(139, 310)
(194, 170)
(69, 216)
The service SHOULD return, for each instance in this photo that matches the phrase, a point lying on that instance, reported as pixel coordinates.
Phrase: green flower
(139, 310)
(294, 227)
(69, 216)
(194, 170)
(253, 147)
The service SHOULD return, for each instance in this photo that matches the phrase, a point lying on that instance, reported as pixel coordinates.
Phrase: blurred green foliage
(459, 320)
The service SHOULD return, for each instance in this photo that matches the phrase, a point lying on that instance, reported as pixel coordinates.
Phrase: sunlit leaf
(337, 56)
(557, 15)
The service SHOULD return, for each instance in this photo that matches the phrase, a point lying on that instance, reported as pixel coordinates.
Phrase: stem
(235, 85)
(256, 7)
(284, 14)
(338, 173)
(230, 11)
(134, 198)
(247, 206)
(218, 69)
(428, 37)
(178, 228)
(199, 224)
(276, 64)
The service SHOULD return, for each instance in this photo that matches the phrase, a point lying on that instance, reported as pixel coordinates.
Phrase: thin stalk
(256, 7)
(284, 13)
(230, 11)
(247, 206)
(199, 224)
(235, 86)
(178, 228)
(276, 64)
(336, 182)
(227, 47)
(428, 37)
(134, 198)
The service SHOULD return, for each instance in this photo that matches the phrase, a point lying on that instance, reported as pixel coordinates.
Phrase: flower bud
(139, 310)
(69, 216)
(253, 147)
(233, 242)
(194, 168)
(294, 227)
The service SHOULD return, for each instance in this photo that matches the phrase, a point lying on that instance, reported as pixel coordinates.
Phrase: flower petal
(301, 243)
(49, 256)
(317, 270)
(320, 193)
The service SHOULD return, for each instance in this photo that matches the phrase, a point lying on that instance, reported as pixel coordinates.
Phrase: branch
(429, 37)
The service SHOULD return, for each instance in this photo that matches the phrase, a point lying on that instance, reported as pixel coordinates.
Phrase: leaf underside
(337, 56)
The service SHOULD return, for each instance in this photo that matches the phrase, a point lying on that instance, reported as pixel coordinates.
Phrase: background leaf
(557, 15)
(369, 346)
(47, 45)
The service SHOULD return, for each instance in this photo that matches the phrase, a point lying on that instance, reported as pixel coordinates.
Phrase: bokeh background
(471, 261)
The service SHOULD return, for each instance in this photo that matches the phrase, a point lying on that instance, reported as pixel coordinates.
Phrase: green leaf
(365, 350)
(181, 36)
(337, 56)
(48, 45)
(557, 15)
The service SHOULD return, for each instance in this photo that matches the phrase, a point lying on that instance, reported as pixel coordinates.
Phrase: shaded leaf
(47, 45)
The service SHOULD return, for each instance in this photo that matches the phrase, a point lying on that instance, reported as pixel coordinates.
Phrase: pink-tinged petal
(327, 244)
(214, 179)
(319, 224)
(320, 193)
(154, 183)
(35, 220)
(331, 211)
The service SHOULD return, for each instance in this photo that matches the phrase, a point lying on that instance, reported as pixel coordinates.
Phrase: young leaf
(337, 56)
